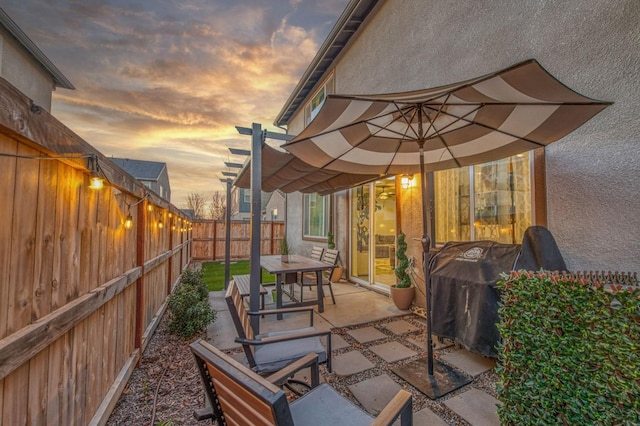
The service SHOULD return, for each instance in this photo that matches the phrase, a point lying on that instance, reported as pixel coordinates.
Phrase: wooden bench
(243, 283)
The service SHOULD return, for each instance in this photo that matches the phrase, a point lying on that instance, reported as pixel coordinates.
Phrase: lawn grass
(213, 273)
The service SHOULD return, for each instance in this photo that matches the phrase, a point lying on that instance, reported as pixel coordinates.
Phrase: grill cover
(464, 294)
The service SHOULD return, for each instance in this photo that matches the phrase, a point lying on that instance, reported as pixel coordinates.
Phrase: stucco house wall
(22, 71)
(592, 46)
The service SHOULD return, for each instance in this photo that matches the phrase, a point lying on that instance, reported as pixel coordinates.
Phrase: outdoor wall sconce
(405, 181)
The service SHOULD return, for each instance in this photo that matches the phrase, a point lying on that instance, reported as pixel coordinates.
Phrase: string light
(128, 222)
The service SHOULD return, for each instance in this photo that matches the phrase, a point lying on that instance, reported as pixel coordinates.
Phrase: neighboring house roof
(12, 28)
(140, 169)
(347, 25)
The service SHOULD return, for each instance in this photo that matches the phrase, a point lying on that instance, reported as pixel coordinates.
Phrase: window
(312, 108)
(490, 201)
(247, 195)
(316, 216)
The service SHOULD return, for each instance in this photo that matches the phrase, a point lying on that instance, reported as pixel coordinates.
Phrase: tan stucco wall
(22, 71)
(593, 46)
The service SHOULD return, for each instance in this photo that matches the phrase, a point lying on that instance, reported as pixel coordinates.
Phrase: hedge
(570, 351)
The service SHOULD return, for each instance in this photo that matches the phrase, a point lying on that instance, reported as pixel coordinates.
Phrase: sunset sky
(167, 80)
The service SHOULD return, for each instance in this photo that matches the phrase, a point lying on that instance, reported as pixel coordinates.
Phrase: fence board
(209, 239)
(45, 239)
(16, 397)
(7, 174)
(23, 243)
(79, 361)
(38, 388)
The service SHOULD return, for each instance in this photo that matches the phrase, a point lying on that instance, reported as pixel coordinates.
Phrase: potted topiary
(284, 250)
(402, 293)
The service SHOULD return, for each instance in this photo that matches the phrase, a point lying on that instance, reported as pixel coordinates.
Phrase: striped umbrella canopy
(483, 119)
(475, 121)
(287, 173)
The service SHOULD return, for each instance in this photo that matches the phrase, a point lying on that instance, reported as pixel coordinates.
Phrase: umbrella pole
(440, 378)
(426, 243)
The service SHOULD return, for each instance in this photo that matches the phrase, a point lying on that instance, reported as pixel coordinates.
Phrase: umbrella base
(445, 379)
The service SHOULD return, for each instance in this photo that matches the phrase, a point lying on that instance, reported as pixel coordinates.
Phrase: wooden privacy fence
(209, 239)
(80, 294)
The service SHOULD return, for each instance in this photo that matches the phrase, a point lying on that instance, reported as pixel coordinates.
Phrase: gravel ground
(165, 387)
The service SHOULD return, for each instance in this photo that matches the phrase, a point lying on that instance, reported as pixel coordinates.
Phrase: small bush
(189, 304)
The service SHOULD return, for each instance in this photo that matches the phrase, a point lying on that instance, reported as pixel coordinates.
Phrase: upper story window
(247, 196)
(312, 108)
(315, 215)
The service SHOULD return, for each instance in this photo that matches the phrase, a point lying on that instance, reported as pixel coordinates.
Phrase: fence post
(140, 233)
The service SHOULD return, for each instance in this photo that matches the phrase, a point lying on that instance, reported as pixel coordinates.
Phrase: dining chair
(329, 256)
(270, 352)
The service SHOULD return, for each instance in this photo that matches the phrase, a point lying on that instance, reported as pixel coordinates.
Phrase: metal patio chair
(330, 256)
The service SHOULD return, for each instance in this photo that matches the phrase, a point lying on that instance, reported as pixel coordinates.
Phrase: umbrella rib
(433, 126)
(462, 118)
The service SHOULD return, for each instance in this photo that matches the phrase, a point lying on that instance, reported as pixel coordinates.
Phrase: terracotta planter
(284, 258)
(336, 275)
(402, 297)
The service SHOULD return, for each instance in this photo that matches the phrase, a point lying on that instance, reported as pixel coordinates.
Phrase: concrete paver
(426, 417)
(401, 327)
(475, 406)
(337, 343)
(470, 363)
(350, 363)
(392, 351)
(375, 393)
(366, 334)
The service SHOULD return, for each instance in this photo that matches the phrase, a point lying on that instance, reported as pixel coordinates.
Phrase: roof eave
(59, 79)
(347, 25)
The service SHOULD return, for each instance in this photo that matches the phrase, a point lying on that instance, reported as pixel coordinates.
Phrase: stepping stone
(337, 342)
(401, 327)
(476, 407)
(350, 363)
(375, 393)
(421, 341)
(470, 363)
(366, 334)
(427, 417)
(392, 351)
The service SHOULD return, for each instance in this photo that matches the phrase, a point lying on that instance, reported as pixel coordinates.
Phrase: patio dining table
(295, 264)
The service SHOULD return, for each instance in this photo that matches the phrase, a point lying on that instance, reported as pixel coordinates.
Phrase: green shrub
(189, 304)
(570, 351)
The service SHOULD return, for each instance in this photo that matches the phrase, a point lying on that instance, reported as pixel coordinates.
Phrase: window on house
(312, 108)
(247, 195)
(490, 201)
(316, 215)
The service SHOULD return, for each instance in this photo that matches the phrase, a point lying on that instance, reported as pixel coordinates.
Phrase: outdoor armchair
(239, 396)
(273, 351)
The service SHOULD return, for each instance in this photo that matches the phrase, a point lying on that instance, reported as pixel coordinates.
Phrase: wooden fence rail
(209, 239)
(80, 295)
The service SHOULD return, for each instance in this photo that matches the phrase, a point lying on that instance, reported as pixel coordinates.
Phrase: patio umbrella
(475, 121)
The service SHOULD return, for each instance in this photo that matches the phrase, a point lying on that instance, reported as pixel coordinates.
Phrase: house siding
(593, 174)
(19, 69)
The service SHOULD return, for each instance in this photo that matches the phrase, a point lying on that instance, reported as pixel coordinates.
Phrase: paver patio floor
(369, 336)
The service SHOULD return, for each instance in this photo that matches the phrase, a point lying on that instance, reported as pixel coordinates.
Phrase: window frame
(327, 88)
(326, 218)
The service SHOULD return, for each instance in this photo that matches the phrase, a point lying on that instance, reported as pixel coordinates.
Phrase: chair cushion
(275, 356)
(325, 406)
